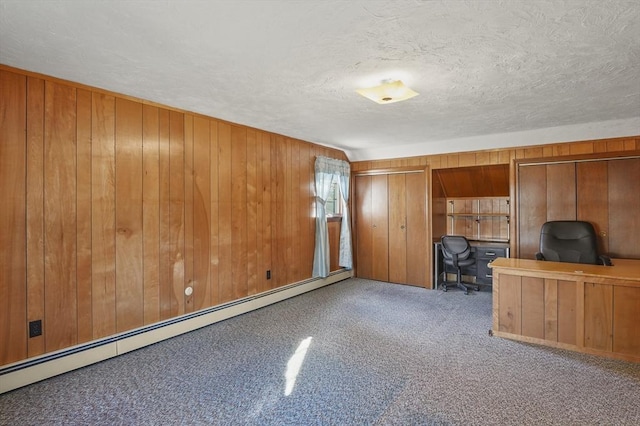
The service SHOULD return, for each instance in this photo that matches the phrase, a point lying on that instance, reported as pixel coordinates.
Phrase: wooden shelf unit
(479, 218)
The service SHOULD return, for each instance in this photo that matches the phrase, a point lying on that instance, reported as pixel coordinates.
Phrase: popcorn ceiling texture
(292, 67)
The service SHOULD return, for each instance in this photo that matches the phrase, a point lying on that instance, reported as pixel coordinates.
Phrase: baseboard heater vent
(32, 370)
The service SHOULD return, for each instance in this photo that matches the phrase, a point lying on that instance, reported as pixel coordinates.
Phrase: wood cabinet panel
(561, 180)
(598, 327)
(509, 296)
(626, 327)
(551, 309)
(533, 319)
(596, 307)
(532, 208)
(592, 196)
(624, 205)
(567, 306)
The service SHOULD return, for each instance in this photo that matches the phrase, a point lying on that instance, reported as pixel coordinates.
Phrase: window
(333, 206)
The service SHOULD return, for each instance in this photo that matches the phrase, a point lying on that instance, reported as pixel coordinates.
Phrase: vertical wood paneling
(624, 205)
(103, 212)
(129, 246)
(276, 214)
(561, 180)
(188, 212)
(267, 205)
(83, 219)
(225, 253)
(252, 212)
(510, 302)
(60, 216)
(13, 279)
(598, 327)
(239, 211)
(35, 210)
(567, 306)
(201, 213)
(533, 321)
(119, 205)
(280, 215)
(177, 210)
(165, 273)
(214, 261)
(551, 309)
(626, 327)
(151, 212)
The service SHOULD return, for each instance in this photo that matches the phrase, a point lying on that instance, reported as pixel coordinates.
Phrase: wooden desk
(586, 308)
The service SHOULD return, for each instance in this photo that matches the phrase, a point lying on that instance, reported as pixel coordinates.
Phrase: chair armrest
(539, 256)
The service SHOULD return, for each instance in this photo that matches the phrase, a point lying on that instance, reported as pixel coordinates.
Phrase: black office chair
(456, 251)
(571, 241)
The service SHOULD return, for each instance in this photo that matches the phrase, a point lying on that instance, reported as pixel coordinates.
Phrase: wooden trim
(391, 171)
(599, 156)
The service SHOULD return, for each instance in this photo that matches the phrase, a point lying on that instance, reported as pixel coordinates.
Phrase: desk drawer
(490, 252)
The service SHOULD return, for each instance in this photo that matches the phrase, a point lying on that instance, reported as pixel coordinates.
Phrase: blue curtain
(328, 171)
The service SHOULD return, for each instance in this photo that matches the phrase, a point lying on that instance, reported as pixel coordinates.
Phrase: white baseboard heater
(22, 373)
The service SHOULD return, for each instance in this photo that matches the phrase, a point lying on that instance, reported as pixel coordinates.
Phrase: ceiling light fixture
(388, 92)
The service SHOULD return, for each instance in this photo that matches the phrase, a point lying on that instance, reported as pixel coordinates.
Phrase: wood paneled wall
(112, 206)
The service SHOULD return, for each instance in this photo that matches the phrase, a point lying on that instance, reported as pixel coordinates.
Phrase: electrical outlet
(35, 328)
(269, 274)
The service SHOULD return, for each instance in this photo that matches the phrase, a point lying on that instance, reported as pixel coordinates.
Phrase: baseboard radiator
(33, 370)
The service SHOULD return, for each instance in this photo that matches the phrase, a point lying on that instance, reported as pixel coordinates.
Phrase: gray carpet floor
(379, 354)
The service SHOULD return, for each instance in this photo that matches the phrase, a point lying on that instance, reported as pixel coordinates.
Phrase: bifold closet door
(372, 227)
(391, 228)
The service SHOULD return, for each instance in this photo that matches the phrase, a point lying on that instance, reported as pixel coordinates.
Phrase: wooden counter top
(622, 269)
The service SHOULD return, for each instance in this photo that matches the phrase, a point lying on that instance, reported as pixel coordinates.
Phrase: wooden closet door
(380, 223)
(592, 188)
(397, 228)
(372, 227)
(364, 226)
(545, 192)
(416, 229)
(624, 208)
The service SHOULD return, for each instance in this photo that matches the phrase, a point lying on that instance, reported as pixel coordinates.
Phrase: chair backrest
(569, 241)
(455, 244)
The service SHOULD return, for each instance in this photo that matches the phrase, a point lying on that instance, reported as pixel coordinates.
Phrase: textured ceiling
(292, 67)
